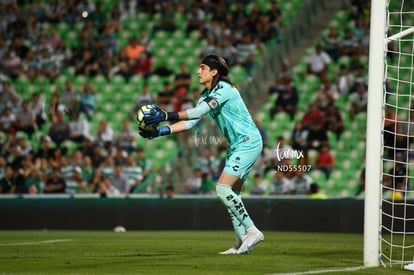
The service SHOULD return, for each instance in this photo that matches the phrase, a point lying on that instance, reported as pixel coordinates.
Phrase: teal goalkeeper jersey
(230, 113)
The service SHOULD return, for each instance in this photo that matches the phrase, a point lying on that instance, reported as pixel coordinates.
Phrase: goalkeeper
(223, 102)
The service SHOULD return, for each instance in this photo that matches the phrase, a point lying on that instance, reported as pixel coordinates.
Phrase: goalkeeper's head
(215, 62)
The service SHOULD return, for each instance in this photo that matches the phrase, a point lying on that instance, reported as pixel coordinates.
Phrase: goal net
(396, 196)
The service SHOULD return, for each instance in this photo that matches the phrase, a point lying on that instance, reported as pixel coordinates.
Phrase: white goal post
(374, 138)
(388, 219)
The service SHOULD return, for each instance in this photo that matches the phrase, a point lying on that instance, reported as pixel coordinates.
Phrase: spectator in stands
(54, 11)
(332, 42)
(134, 50)
(166, 19)
(327, 94)
(333, 120)
(96, 181)
(227, 51)
(348, 43)
(311, 115)
(359, 101)
(87, 100)
(324, 161)
(86, 65)
(59, 130)
(53, 39)
(284, 75)
(301, 183)
(298, 136)
(25, 120)
(7, 120)
(287, 101)
(55, 182)
(119, 180)
(80, 181)
(345, 80)
(210, 47)
(143, 161)
(105, 188)
(37, 106)
(87, 148)
(182, 79)
(19, 47)
(32, 183)
(8, 92)
(359, 78)
(262, 27)
(355, 62)
(317, 136)
(49, 64)
(259, 186)
(275, 16)
(98, 155)
(280, 185)
(126, 137)
(193, 184)
(79, 128)
(143, 66)
(134, 174)
(207, 163)
(55, 107)
(30, 65)
(144, 97)
(7, 182)
(165, 96)
(120, 155)
(11, 64)
(318, 62)
(246, 53)
(104, 134)
(68, 96)
(87, 169)
(315, 192)
(195, 18)
(76, 158)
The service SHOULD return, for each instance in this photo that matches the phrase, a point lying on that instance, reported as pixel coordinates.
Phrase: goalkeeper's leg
(236, 207)
(239, 230)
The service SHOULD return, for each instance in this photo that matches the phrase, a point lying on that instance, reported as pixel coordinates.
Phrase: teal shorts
(241, 158)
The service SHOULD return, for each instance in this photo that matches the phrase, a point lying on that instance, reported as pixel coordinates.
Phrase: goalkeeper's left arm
(186, 120)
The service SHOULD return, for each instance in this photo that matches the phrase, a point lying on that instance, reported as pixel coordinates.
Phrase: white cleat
(231, 250)
(251, 240)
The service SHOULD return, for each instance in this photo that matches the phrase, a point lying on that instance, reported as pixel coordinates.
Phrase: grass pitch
(179, 252)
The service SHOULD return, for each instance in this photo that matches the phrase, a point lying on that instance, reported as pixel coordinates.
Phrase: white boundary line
(345, 269)
(36, 243)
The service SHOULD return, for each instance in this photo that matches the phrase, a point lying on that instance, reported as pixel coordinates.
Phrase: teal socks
(239, 216)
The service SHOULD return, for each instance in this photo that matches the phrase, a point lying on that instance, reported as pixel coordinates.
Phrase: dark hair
(218, 63)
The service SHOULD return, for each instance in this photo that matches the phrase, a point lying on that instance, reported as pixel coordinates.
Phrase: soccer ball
(140, 118)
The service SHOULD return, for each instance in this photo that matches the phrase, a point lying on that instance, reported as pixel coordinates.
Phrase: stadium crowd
(35, 130)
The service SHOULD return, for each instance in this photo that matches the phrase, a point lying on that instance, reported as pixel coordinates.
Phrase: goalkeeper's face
(206, 75)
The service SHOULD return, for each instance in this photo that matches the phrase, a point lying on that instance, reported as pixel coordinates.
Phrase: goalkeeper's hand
(159, 131)
(155, 116)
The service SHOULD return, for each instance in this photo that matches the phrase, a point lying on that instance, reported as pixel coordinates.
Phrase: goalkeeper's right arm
(183, 125)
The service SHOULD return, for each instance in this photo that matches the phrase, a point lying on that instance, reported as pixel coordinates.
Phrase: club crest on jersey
(212, 102)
